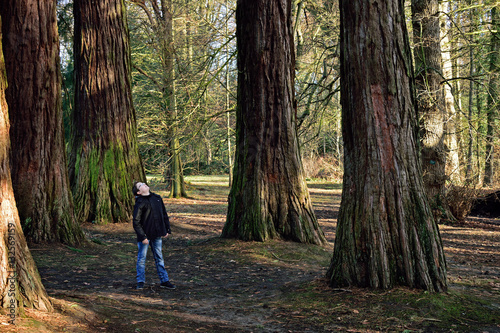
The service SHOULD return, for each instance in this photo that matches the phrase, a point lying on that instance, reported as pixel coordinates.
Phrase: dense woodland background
(204, 84)
(202, 81)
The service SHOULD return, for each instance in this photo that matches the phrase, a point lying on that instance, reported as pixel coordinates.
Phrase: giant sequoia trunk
(39, 166)
(269, 197)
(104, 158)
(431, 101)
(20, 283)
(386, 233)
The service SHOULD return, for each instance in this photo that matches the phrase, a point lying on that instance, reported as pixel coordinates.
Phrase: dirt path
(232, 286)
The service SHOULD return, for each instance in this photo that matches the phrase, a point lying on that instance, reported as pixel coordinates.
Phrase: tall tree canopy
(386, 233)
(158, 24)
(104, 159)
(269, 196)
(40, 176)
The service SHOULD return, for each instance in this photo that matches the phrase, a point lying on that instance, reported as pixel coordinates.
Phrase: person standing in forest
(151, 224)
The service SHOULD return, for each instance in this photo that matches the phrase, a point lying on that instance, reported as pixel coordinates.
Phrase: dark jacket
(150, 217)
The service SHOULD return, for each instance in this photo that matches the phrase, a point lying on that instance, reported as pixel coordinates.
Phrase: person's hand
(166, 236)
(145, 241)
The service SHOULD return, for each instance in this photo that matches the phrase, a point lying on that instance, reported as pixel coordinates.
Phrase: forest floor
(234, 286)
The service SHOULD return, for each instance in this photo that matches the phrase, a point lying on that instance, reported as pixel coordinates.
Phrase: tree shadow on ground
(234, 286)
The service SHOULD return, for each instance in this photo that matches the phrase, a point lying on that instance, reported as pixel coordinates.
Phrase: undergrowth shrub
(323, 167)
(460, 200)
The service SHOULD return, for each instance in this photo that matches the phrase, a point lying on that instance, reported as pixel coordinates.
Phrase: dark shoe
(167, 285)
(140, 285)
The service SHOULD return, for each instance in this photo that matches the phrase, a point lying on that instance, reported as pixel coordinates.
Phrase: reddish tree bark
(20, 283)
(39, 166)
(386, 233)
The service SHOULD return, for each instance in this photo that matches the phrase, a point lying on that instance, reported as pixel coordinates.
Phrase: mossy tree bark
(431, 103)
(104, 159)
(386, 232)
(20, 283)
(40, 176)
(178, 189)
(269, 196)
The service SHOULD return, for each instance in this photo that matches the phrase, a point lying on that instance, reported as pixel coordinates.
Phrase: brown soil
(234, 286)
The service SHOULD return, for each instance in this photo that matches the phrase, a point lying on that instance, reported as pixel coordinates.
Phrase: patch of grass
(75, 249)
(292, 253)
(222, 180)
(399, 310)
(323, 184)
(466, 311)
(273, 252)
(98, 241)
(482, 282)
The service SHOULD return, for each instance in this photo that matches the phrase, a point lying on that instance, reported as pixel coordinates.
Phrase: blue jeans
(141, 260)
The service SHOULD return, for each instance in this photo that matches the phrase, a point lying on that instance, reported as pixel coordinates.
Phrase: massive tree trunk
(493, 95)
(104, 157)
(431, 101)
(39, 167)
(20, 283)
(386, 233)
(269, 196)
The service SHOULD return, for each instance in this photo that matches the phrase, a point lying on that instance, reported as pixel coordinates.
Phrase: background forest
(200, 80)
(203, 83)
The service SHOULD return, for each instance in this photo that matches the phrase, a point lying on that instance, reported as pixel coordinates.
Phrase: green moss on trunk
(104, 181)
